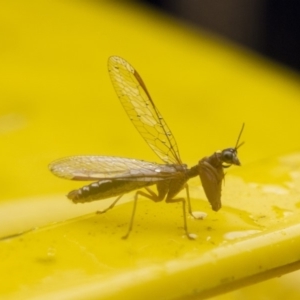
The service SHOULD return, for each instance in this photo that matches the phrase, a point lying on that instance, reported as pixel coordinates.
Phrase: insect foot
(199, 215)
(192, 236)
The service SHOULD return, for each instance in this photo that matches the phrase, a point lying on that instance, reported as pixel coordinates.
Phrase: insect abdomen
(105, 189)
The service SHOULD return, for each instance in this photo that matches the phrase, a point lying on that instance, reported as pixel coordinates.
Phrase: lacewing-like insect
(116, 176)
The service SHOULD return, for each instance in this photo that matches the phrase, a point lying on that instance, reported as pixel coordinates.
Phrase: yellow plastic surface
(57, 100)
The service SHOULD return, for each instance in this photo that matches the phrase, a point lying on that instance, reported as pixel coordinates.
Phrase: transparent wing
(110, 167)
(141, 110)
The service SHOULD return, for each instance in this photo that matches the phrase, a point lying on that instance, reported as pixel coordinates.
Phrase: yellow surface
(57, 100)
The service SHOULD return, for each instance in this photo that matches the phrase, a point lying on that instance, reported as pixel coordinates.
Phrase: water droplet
(51, 252)
(193, 236)
(199, 215)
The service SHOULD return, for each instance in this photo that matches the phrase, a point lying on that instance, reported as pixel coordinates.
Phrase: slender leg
(156, 198)
(110, 207)
(152, 196)
(182, 200)
(189, 204)
(188, 199)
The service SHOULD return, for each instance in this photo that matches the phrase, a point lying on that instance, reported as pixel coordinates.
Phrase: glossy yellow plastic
(57, 100)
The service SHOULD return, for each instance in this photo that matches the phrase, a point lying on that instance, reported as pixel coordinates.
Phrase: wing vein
(141, 110)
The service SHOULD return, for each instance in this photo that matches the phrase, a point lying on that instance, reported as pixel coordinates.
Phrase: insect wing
(141, 110)
(91, 168)
(211, 180)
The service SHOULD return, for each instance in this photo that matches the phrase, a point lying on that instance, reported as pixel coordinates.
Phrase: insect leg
(200, 217)
(182, 200)
(110, 207)
(188, 199)
(152, 196)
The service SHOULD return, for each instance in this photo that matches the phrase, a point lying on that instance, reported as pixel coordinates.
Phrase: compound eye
(227, 156)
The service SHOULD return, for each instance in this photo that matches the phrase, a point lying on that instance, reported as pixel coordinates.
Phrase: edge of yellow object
(255, 235)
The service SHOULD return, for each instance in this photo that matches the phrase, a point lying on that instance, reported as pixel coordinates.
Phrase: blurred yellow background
(57, 100)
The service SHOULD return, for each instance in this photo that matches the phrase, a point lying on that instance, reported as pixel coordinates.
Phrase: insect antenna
(237, 145)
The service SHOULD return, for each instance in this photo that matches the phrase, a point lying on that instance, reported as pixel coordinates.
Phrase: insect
(116, 176)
